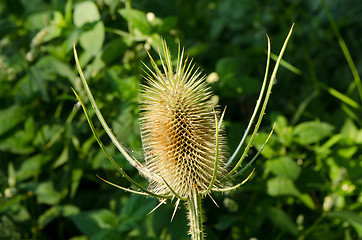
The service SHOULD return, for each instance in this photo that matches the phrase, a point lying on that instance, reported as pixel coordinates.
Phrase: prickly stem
(195, 216)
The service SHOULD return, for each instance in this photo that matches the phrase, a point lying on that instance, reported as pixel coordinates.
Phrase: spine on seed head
(178, 127)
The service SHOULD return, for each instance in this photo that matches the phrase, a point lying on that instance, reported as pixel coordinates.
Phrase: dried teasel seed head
(178, 128)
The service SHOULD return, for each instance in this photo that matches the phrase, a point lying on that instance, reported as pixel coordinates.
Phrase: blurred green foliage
(307, 184)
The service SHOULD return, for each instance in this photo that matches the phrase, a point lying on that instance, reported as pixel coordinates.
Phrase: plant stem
(195, 217)
(128, 6)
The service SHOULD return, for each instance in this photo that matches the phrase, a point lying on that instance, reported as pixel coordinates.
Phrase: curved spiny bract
(178, 129)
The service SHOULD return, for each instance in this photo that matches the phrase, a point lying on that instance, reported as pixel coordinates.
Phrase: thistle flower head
(178, 128)
(184, 150)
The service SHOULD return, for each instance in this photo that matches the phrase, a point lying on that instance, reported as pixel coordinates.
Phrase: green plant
(49, 160)
(180, 134)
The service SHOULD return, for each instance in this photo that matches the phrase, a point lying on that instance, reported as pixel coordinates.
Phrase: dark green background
(307, 183)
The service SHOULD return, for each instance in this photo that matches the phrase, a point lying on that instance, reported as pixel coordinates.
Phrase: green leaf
(21, 140)
(282, 220)
(92, 40)
(113, 49)
(30, 167)
(349, 131)
(18, 142)
(226, 68)
(347, 152)
(48, 216)
(307, 200)
(52, 213)
(283, 130)
(38, 20)
(47, 132)
(10, 203)
(137, 207)
(92, 222)
(11, 175)
(165, 24)
(108, 234)
(359, 137)
(326, 148)
(281, 186)
(68, 210)
(311, 132)
(85, 12)
(128, 88)
(334, 169)
(62, 69)
(54, 29)
(38, 78)
(10, 117)
(45, 192)
(138, 20)
(351, 217)
(284, 167)
(77, 174)
(269, 151)
(134, 211)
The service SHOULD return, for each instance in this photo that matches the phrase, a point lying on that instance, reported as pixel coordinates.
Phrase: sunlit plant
(182, 137)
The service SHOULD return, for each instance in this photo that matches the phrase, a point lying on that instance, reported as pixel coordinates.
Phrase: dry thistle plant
(183, 144)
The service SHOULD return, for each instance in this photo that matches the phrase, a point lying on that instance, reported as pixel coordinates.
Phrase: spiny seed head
(178, 128)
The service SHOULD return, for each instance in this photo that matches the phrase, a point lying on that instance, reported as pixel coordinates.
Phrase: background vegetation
(307, 183)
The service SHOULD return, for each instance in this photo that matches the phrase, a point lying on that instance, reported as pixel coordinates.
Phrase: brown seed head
(178, 128)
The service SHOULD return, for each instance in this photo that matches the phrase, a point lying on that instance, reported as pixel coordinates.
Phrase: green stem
(128, 6)
(195, 217)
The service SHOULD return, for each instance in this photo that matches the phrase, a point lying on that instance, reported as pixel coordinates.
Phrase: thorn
(158, 205)
(176, 207)
(213, 200)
